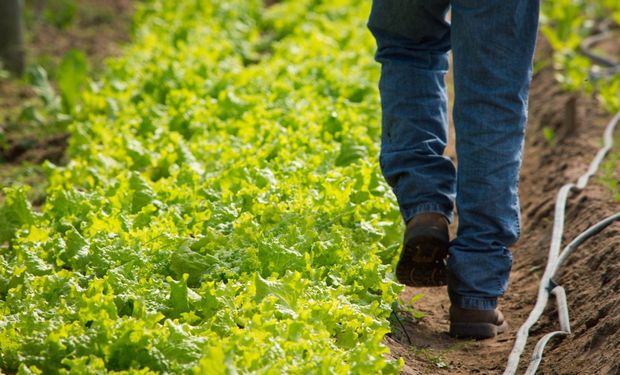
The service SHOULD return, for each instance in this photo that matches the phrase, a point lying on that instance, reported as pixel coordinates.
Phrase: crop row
(222, 210)
(566, 24)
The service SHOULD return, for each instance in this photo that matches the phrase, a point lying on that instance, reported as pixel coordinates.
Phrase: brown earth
(591, 276)
(609, 47)
(99, 28)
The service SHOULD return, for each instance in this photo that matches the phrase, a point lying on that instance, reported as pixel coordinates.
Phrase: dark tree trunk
(11, 36)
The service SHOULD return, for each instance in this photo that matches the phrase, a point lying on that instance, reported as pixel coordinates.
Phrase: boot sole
(421, 261)
(478, 331)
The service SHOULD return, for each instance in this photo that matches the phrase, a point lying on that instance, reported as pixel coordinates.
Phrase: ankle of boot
(473, 303)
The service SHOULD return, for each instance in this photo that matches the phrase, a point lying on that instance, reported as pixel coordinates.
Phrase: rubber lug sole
(422, 260)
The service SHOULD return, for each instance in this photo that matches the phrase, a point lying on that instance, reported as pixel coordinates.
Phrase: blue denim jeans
(492, 43)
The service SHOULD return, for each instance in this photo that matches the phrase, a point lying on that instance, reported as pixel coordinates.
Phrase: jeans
(492, 43)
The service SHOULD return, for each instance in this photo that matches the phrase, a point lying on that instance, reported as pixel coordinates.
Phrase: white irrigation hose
(596, 228)
(560, 294)
(537, 356)
(560, 297)
(556, 259)
(586, 49)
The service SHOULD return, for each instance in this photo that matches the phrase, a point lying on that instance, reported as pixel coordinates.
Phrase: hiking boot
(425, 247)
(476, 324)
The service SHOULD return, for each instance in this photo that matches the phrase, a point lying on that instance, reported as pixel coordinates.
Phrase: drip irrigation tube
(557, 258)
(586, 46)
(609, 67)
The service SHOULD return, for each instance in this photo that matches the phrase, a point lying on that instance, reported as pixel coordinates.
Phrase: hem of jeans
(427, 207)
(473, 303)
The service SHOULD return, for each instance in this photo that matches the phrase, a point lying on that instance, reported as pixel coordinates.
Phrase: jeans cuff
(473, 303)
(427, 207)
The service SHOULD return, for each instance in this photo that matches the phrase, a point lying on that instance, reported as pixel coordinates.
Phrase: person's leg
(413, 40)
(493, 44)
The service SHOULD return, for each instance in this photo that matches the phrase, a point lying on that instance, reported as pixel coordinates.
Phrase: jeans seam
(518, 211)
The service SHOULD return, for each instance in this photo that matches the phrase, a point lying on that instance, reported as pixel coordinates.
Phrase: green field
(222, 204)
(222, 210)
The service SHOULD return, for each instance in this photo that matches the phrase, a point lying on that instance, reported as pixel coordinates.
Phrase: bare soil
(99, 29)
(591, 276)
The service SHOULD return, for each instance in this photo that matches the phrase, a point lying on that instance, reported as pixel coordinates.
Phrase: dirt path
(574, 126)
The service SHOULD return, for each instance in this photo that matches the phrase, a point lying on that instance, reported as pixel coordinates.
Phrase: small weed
(61, 13)
(72, 77)
(550, 136)
(437, 358)
(4, 74)
(541, 63)
(37, 77)
(429, 356)
(405, 313)
(407, 307)
(609, 176)
(415, 313)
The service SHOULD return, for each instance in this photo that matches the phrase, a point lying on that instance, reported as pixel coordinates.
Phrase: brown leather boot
(476, 324)
(425, 247)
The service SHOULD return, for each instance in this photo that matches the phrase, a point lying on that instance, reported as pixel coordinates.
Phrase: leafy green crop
(566, 23)
(222, 211)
